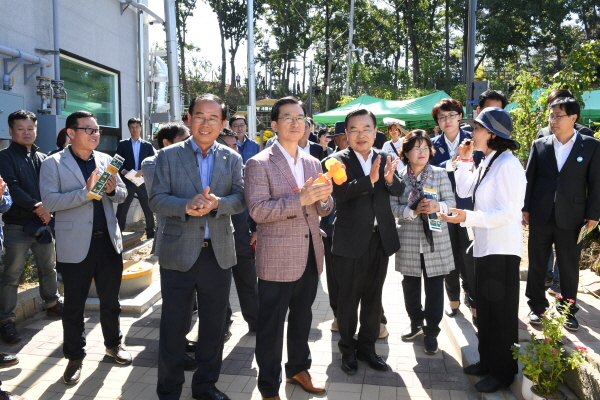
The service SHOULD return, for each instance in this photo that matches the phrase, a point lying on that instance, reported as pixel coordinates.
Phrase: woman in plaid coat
(425, 252)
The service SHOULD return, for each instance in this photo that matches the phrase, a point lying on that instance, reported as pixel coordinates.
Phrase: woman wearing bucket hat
(497, 187)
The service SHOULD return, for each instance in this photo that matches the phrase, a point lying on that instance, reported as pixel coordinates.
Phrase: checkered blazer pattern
(408, 260)
(283, 225)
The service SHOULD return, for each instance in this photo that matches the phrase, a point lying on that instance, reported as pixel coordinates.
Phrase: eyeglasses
(420, 149)
(449, 117)
(238, 126)
(357, 133)
(556, 117)
(91, 131)
(289, 120)
(211, 121)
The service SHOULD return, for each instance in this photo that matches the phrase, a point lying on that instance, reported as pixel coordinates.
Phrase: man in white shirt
(563, 194)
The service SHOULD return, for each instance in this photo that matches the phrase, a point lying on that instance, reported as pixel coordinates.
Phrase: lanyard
(484, 174)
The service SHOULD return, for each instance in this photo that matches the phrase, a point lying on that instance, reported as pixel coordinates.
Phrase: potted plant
(546, 359)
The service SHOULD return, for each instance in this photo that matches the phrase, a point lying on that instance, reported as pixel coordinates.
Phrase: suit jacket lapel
(354, 164)
(189, 162)
(71, 164)
(219, 166)
(576, 151)
(278, 158)
(549, 149)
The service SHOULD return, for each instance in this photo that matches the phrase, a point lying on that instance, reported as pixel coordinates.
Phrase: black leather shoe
(212, 394)
(8, 332)
(411, 332)
(534, 319)
(189, 363)
(572, 324)
(6, 360)
(120, 355)
(9, 396)
(73, 372)
(476, 370)
(431, 345)
(374, 361)
(451, 312)
(190, 347)
(349, 364)
(227, 335)
(488, 385)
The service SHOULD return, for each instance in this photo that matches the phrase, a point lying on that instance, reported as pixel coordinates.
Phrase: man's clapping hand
(309, 194)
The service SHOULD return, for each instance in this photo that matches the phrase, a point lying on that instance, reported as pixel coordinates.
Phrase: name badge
(579, 159)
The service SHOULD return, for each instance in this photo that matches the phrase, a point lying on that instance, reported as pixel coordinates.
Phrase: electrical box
(9, 103)
(479, 88)
(47, 130)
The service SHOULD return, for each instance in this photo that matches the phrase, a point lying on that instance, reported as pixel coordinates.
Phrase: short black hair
(281, 102)
(134, 121)
(555, 94)
(209, 97)
(357, 113)
(501, 144)
(228, 132)
(492, 95)
(235, 118)
(20, 114)
(71, 122)
(323, 131)
(568, 104)
(415, 136)
(61, 138)
(170, 131)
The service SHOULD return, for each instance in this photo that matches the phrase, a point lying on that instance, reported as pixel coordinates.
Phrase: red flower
(547, 340)
(554, 351)
(542, 315)
(571, 301)
(559, 296)
(584, 349)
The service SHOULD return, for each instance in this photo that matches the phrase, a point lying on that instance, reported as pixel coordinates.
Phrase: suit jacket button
(90, 222)
(306, 214)
(306, 236)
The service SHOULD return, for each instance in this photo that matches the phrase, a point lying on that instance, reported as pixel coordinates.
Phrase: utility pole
(350, 47)
(251, 76)
(174, 90)
(310, 91)
(471, 56)
(330, 53)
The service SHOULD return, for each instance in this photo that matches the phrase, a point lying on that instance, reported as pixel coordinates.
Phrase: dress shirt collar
(305, 149)
(199, 152)
(287, 156)
(362, 159)
(453, 145)
(571, 141)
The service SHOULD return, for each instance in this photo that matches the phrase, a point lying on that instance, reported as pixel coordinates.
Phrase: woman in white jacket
(498, 190)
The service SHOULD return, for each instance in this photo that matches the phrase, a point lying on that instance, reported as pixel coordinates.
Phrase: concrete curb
(137, 305)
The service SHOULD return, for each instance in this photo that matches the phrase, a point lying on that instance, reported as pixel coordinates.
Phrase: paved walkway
(413, 374)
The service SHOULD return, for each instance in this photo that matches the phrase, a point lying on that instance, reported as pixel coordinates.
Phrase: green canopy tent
(590, 110)
(415, 112)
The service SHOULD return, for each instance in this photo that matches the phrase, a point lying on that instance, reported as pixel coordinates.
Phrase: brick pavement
(413, 374)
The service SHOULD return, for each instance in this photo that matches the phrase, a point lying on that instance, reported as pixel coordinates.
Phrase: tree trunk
(223, 58)
(233, 51)
(304, 72)
(413, 43)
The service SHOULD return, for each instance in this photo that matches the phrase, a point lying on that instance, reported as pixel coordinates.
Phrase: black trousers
(434, 300)
(142, 195)
(465, 267)
(497, 313)
(568, 254)
(361, 282)
(332, 284)
(244, 277)
(105, 266)
(212, 284)
(276, 298)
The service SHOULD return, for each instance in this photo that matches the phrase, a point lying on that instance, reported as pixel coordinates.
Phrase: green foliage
(581, 69)
(545, 360)
(530, 116)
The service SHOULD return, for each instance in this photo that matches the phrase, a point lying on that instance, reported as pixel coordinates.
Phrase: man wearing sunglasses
(88, 239)
(20, 169)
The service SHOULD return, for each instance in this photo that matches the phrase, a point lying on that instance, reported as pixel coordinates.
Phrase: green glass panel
(90, 89)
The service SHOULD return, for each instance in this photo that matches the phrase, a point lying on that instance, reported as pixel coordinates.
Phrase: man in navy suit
(314, 149)
(134, 151)
(447, 113)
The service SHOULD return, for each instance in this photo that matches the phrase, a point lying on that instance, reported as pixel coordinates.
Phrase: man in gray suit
(197, 186)
(88, 239)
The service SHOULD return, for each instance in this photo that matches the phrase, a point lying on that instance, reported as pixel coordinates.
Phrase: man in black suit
(314, 149)
(546, 131)
(563, 194)
(134, 151)
(364, 236)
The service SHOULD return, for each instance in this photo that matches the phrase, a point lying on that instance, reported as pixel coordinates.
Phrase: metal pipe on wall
(174, 89)
(251, 76)
(142, 7)
(142, 76)
(56, 50)
(14, 53)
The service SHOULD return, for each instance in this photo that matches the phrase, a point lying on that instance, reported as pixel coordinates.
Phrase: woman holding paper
(426, 249)
(497, 187)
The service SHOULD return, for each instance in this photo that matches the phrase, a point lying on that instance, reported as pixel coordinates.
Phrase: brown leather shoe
(72, 372)
(307, 382)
